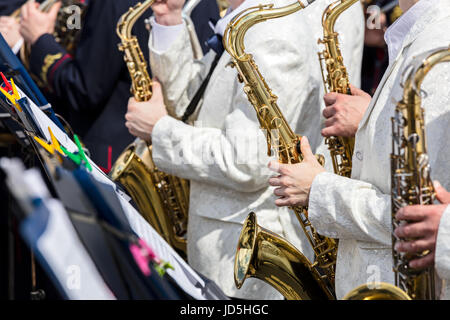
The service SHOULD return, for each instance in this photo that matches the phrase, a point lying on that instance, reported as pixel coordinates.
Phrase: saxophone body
(336, 80)
(411, 183)
(281, 138)
(264, 255)
(163, 200)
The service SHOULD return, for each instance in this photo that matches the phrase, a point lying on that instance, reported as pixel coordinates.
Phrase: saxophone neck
(134, 58)
(128, 20)
(283, 140)
(411, 105)
(233, 39)
(332, 13)
(439, 56)
(332, 51)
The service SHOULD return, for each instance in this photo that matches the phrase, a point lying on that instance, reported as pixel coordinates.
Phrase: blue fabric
(215, 43)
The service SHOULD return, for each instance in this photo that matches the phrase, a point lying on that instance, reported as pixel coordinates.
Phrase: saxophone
(66, 36)
(321, 272)
(336, 80)
(162, 199)
(411, 183)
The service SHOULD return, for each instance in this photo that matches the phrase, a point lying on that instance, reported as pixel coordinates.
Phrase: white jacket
(358, 210)
(233, 179)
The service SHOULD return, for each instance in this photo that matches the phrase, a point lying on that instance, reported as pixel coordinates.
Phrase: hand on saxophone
(422, 227)
(294, 180)
(168, 12)
(142, 117)
(343, 112)
(34, 23)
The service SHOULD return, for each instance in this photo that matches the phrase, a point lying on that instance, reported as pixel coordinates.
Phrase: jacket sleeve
(345, 208)
(235, 156)
(85, 80)
(352, 209)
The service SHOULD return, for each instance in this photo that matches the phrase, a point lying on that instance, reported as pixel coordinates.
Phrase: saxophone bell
(266, 256)
(377, 291)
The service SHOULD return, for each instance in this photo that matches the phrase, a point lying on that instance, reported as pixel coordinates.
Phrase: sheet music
(69, 261)
(49, 231)
(183, 274)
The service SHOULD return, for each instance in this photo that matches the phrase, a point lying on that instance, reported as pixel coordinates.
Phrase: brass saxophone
(162, 199)
(321, 272)
(336, 80)
(67, 37)
(411, 183)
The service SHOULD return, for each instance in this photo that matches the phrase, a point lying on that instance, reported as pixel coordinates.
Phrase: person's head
(235, 3)
(406, 4)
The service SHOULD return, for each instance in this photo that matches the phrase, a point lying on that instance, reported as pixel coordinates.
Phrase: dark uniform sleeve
(7, 7)
(86, 80)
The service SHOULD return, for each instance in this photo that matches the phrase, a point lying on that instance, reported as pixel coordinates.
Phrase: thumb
(306, 149)
(441, 194)
(357, 91)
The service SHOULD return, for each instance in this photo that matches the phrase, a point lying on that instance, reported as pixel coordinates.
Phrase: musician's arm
(173, 64)
(85, 80)
(442, 256)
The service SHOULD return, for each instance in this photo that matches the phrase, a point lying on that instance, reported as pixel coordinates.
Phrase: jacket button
(359, 155)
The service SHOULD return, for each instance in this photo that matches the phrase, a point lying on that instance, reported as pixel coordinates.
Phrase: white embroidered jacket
(358, 210)
(442, 254)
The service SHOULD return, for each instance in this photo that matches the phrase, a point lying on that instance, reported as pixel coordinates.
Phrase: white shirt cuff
(164, 36)
(17, 46)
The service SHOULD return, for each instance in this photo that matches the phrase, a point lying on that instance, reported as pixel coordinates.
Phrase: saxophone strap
(215, 43)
